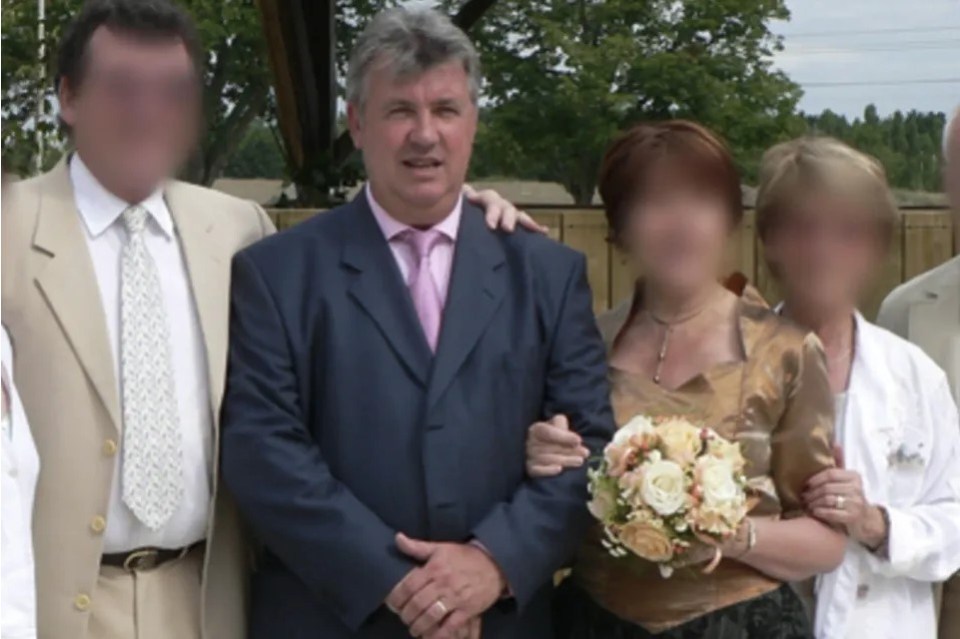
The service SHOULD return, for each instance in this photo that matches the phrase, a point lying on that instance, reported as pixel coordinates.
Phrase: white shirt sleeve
(924, 539)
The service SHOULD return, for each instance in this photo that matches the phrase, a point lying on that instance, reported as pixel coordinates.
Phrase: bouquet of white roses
(665, 484)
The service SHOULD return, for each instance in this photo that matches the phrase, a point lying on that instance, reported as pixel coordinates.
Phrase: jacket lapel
(872, 416)
(208, 267)
(378, 288)
(934, 323)
(476, 291)
(69, 285)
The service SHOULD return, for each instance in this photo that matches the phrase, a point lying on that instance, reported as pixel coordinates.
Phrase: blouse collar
(754, 314)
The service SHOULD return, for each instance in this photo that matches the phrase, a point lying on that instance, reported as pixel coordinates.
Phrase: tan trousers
(163, 603)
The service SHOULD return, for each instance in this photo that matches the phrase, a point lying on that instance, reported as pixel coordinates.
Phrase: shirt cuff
(896, 556)
(507, 590)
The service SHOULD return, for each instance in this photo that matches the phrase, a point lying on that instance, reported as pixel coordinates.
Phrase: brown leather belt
(146, 558)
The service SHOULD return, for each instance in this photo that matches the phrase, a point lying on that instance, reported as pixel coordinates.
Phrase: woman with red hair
(687, 344)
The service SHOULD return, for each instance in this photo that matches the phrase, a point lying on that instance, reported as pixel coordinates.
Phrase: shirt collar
(391, 227)
(100, 208)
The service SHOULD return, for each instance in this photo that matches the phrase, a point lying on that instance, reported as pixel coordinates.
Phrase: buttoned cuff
(897, 555)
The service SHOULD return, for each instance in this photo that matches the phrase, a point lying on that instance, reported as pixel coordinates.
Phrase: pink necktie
(423, 288)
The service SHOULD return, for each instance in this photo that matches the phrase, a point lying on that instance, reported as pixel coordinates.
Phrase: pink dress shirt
(441, 256)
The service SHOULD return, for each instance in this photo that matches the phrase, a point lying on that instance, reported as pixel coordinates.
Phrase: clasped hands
(445, 597)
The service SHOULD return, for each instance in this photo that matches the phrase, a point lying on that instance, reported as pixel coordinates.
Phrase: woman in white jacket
(20, 467)
(826, 217)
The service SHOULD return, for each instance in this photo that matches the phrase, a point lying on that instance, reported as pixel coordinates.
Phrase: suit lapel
(208, 268)
(69, 285)
(476, 291)
(935, 321)
(378, 288)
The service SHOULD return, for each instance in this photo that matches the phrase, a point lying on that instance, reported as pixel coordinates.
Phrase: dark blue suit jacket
(340, 427)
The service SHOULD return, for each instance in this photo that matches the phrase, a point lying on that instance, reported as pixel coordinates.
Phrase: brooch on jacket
(905, 457)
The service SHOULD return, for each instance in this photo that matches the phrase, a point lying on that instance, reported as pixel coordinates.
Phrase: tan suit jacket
(65, 375)
(926, 311)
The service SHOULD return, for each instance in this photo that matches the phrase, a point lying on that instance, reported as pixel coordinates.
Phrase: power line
(820, 34)
(929, 45)
(872, 83)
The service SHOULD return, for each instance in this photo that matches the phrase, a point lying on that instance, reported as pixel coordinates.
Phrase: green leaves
(908, 144)
(236, 78)
(564, 75)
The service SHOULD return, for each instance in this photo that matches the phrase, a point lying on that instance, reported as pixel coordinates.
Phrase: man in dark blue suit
(386, 361)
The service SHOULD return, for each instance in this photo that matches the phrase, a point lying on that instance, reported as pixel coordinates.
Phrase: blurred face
(827, 249)
(416, 135)
(676, 235)
(135, 113)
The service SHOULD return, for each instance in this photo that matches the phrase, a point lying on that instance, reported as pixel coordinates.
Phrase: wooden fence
(923, 240)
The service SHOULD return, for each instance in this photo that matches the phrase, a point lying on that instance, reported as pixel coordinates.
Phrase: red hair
(690, 152)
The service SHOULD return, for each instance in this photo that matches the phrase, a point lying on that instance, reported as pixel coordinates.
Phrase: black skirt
(776, 615)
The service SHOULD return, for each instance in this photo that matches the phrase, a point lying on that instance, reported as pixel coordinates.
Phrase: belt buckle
(141, 560)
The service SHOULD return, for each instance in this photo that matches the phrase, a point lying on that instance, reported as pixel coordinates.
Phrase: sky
(896, 54)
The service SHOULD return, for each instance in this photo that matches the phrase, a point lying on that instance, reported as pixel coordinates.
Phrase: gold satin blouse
(777, 403)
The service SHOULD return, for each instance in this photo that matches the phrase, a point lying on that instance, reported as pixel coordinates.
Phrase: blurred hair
(149, 20)
(410, 42)
(816, 163)
(690, 153)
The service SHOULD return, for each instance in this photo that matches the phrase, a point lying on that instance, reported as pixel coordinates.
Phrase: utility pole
(41, 88)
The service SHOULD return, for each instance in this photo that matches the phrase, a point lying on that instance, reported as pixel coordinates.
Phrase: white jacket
(18, 479)
(902, 434)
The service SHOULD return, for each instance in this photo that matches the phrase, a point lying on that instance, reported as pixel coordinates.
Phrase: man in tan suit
(115, 293)
(926, 310)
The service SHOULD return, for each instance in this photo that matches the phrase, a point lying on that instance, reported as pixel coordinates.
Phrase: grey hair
(410, 41)
(953, 122)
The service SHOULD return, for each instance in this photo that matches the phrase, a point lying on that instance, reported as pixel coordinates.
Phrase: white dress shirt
(101, 213)
(18, 614)
(901, 432)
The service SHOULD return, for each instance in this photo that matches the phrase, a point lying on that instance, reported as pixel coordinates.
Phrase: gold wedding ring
(442, 607)
(841, 502)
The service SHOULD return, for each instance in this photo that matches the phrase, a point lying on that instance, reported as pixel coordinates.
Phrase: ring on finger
(441, 607)
(841, 501)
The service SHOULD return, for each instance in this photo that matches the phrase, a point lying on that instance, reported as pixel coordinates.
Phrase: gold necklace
(668, 328)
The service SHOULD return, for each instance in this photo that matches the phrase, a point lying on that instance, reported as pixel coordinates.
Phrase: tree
(258, 155)
(563, 76)
(27, 84)
(236, 80)
(908, 145)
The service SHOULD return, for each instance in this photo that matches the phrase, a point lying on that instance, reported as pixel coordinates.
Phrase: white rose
(680, 440)
(726, 450)
(717, 482)
(664, 487)
(639, 425)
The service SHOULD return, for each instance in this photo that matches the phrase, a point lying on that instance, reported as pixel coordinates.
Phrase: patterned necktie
(152, 477)
(423, 288)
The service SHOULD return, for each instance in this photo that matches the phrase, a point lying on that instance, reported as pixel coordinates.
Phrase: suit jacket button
(109, 448)
(81, 602)
(98, 524)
